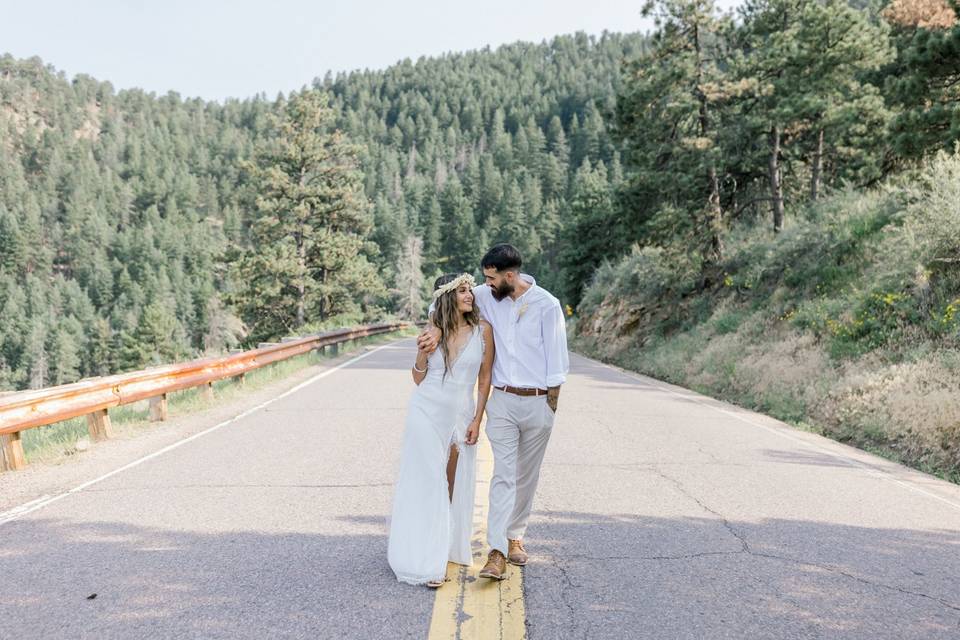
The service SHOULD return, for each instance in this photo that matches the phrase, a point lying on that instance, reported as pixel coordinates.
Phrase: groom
(531, 363)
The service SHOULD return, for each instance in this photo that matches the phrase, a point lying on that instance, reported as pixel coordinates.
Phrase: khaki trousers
(518, 428)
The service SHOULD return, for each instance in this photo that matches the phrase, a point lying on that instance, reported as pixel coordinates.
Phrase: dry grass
(912, 407)
(909, 412)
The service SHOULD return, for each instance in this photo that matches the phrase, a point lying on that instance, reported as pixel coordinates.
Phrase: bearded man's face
(498, 283)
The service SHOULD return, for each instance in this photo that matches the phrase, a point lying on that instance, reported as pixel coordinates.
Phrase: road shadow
(591, 576)
(619, 576)
(812, 458)
(170, 584)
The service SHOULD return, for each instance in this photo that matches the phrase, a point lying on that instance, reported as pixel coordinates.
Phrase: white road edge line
(39, 503)
(695, 398)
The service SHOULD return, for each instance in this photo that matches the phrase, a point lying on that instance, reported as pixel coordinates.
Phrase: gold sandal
(436, 584)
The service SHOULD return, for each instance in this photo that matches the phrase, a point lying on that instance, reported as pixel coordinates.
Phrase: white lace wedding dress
(427, 528)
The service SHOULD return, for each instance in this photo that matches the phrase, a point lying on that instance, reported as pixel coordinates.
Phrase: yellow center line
(469, 606)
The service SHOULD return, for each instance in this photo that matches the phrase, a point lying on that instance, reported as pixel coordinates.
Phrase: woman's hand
(473, 431)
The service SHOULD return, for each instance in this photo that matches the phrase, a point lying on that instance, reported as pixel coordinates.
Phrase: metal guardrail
(93, 397)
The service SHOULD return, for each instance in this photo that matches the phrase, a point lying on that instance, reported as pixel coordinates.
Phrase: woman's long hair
(445, 316)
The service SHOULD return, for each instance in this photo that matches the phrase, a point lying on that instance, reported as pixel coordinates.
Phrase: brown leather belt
(519, 391)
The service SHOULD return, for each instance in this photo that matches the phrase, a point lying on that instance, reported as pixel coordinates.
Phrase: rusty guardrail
(94, 396)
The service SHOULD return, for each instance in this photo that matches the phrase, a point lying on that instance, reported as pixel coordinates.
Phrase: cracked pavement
(664, 514)
(660, 514)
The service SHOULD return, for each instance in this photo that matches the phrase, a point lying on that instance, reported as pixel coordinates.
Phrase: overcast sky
(217, 49)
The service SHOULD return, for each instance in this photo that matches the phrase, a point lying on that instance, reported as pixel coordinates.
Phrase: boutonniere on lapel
(523, 309)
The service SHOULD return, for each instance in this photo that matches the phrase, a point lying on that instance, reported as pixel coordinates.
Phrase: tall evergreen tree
(667, 122)
(802, 71)
(591, 233)
(308, 251)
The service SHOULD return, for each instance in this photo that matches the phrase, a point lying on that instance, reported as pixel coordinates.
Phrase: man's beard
(501, 292)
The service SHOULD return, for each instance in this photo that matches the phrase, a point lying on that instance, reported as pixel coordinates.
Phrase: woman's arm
(419, 369)
(483, 381)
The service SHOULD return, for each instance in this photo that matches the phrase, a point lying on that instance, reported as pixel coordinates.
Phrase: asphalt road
(660, 514)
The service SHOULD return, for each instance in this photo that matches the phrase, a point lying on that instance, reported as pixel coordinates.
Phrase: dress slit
(432, 515)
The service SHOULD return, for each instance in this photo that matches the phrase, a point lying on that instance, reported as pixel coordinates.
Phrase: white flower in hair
(463, 278)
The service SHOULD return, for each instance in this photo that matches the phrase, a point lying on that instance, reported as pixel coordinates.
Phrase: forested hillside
(790, 220)
(137, 229)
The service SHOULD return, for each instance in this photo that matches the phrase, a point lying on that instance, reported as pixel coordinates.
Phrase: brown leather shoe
(496, 567)
(516, 554)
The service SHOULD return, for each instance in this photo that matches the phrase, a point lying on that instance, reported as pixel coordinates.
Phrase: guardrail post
(206, 392)
(158, 408)
(335, 349)
(99, 425)
(12, 454)
(241, 379)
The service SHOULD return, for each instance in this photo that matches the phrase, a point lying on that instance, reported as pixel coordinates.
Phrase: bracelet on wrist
(424, 370)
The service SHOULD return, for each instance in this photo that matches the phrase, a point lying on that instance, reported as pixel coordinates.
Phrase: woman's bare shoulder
(487, 329)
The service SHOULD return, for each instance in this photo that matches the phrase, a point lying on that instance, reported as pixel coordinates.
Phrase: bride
(433, 499)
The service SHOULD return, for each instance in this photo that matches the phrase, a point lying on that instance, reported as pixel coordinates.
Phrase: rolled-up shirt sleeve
(554, 329)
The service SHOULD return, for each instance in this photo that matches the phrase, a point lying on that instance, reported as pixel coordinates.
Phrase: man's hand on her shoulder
(427, 341)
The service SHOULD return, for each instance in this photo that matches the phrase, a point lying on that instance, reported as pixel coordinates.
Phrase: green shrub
(847, 323)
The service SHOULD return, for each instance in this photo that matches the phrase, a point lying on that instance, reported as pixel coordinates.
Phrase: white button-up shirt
(530, 334)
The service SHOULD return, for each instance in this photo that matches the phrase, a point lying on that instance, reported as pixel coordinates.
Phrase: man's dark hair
(502, 257)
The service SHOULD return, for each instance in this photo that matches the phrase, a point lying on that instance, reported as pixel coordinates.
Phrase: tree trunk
(712, 252)
(714, 248)
(773, 174)
(301, 281)
(322, 298)
(301, 255)
(817, 168)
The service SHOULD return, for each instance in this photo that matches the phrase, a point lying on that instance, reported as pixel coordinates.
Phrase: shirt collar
(533, 285)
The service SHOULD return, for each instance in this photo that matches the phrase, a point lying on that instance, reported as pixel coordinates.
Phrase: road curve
(660, 514)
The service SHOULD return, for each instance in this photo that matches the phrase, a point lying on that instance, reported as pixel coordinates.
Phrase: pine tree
(156, 336)
(667, 121)
(924, 81)
(64, 357)
(431, 234)
(12, 247)
(101, 359)
(308, 255)
(591, 233)
(803, 72)
(461, 238)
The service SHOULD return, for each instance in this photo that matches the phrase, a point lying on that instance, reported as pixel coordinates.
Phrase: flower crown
(463, 278)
